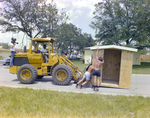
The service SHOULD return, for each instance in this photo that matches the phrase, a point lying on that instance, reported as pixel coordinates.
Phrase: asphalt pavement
(140, 85)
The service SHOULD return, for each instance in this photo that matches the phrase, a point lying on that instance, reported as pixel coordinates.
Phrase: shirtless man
(96, 73)
(86, 76)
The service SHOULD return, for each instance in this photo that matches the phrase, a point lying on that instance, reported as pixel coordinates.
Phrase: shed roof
(113, 47)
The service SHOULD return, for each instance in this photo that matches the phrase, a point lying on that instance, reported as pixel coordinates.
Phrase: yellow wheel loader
(32, 65)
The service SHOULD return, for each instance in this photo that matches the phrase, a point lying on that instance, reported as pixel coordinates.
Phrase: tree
(5, 45)
(30, 16)
(67, 34)
(118, 21)
(51, 19)
(24, 13)
(84, 40)
(71, 39)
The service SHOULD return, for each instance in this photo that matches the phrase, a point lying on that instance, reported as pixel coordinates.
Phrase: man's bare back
(98, 64)
(90, 69)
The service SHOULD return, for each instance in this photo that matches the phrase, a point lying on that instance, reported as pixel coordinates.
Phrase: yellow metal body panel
(22, 54)
(43, 39)
(13, 69)
(35, 58)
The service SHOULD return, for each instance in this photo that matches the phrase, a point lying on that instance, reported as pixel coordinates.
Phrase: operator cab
(43, 46)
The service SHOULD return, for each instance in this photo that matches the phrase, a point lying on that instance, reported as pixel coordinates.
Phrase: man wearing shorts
(86, 76)
(96, 73)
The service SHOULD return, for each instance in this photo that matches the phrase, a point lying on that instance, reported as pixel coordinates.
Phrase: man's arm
(103, 60)
(13, 45)
(88, 60)
(97, 54)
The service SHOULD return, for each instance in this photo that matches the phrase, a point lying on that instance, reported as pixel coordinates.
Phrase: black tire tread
(69, 76)
(33, 70)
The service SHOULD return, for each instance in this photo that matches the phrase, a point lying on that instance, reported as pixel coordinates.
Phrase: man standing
(12, 53)
(96, 73)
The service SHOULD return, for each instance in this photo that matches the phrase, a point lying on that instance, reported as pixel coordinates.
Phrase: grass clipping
(26, 103)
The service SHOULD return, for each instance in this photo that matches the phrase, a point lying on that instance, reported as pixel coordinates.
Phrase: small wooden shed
(117, 68)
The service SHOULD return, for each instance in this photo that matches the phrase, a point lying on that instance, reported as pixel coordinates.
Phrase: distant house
(5, 52)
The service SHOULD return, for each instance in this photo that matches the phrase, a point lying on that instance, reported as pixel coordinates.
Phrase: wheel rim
(61, 75)
(25, 74)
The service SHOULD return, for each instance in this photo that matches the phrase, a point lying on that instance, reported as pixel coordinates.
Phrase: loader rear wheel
(27, 74)
(62, 74)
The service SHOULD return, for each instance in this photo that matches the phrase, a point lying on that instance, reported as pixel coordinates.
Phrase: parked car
(74, 58)
(5, 61)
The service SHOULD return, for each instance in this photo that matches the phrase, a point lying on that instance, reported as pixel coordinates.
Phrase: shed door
(111, 67)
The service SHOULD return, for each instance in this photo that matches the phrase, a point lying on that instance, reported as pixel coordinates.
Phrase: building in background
(5, 52)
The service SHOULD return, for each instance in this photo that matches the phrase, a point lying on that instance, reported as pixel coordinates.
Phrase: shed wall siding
(126, 69)
(87, 55)
(136, 58)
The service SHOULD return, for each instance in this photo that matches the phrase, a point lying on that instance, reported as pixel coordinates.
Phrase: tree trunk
(127, 42)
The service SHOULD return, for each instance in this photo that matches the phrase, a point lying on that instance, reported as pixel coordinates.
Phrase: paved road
(140, 85)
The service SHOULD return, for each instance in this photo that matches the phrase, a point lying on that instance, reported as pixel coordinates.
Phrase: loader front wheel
(62, 74)
(27, 74)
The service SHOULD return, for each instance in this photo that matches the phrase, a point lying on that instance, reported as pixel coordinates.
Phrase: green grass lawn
(80, 64)
(1, 57)
(144, 68)
(29, 103)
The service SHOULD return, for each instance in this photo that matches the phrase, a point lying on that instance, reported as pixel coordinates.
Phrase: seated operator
(43, 51)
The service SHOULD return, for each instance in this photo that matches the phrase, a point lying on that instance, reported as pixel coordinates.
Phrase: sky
(80, 14)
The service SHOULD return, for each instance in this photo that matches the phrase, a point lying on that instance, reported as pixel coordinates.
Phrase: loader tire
(27, 74)
(62, 75)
